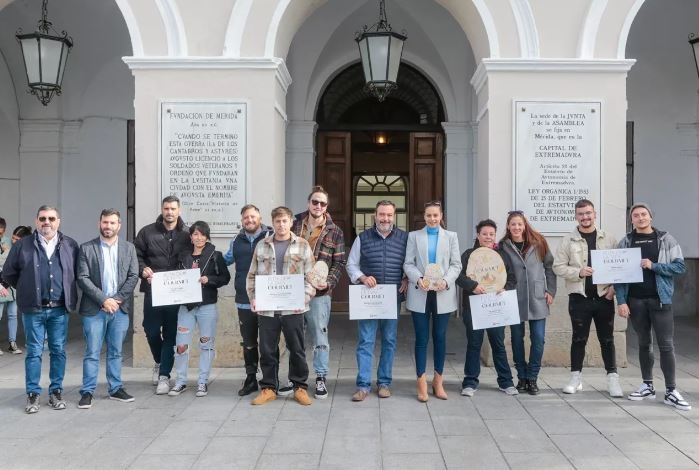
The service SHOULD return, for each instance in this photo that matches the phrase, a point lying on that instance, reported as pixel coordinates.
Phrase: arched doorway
(369, 150)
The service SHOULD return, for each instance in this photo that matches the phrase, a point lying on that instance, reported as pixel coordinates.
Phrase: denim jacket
(670, 263)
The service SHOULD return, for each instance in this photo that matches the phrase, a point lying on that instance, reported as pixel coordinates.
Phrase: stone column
(498, 83)
(260, 82)
(300, 157)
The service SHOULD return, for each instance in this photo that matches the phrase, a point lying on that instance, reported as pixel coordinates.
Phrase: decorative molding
(132, 26)
(212, 63)
(49, 136)
(486, 66)
(588, 37)
(458, 136)
(491, 31)
(271, 38)
(626, 27)
(300, 137)
(526, 28)
(236, 27)
(174, 28)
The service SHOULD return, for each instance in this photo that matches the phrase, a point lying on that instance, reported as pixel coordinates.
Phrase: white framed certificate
(278, 292)
(491, 310)
(373, 303)
(618, 266)
(176, 287)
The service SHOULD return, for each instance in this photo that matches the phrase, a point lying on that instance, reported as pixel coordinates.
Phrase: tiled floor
(488, 431)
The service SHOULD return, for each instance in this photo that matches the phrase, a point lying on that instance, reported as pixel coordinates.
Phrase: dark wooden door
(426, 181)
(333, 172)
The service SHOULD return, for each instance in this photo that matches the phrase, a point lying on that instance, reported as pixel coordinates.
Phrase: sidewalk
(488, 431)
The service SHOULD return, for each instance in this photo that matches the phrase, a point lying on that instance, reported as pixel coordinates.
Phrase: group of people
(43, 270)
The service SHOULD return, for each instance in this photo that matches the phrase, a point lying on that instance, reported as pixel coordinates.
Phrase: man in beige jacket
(587, 301)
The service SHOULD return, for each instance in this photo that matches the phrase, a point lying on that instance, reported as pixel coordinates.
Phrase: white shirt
(49, 245)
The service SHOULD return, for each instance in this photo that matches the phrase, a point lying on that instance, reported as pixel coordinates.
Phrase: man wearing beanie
(648, 304)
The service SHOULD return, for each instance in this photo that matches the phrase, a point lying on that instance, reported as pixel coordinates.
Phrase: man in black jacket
(42, 269)
(158, 247)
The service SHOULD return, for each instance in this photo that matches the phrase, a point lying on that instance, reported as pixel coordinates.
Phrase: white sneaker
(156, 373)
(674, 398)
(613, 385)
(575, 384)
(468, 391)
(644, 391)
(163, 385)
(511, 390)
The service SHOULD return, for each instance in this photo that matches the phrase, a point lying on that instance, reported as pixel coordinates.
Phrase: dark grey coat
(90, 276)
(534, 278)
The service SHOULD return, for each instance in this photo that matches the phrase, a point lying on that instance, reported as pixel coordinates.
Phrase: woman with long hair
(532, 262)
(437, 250)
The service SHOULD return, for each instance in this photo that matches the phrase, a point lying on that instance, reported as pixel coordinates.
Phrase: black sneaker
(56, 400)
(249, 386)
(286, 390)
(85, 402)
(533, 388)
(321, 389)
(522, 385)
(32, 403)
(121, 395)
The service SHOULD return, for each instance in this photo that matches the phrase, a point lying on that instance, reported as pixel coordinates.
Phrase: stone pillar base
(229, 352)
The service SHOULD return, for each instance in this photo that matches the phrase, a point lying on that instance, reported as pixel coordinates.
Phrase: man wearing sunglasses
(42, 270)
(328, 244)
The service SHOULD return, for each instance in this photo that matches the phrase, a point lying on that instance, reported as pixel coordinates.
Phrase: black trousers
(270, 329)
(647, 314)
(247, 321)
(583, 310)
(160, 326)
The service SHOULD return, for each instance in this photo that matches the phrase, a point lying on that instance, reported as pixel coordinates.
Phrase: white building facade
(467, 64)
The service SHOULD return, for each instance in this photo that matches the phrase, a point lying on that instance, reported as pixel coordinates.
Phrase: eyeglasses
(50, 219)
(433, 203)
(315, 202)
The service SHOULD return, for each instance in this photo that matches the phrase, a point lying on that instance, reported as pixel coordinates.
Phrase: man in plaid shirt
(328, 244)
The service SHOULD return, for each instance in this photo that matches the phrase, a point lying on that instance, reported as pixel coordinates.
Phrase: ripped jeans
(317, 320)
(205, 316)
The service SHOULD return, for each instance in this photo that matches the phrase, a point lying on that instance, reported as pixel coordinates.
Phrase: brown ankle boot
(438, 387)
(422, 388)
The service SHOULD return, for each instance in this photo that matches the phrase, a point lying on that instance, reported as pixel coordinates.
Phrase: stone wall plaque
(203, 159)
(557, 161)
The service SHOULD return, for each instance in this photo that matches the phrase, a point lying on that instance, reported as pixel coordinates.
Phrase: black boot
(533, 388)
(522, 385)
(249, 386)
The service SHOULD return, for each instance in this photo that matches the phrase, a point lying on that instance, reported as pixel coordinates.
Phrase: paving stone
(174, 462)
(401, 436)
(231, 452)
(480, 452)
(414, 462)
(296, 437)
(519, 435)
(665, 460)
(288, 462)
(549, 461)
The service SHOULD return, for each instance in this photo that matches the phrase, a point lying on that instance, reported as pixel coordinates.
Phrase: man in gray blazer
(107, 275)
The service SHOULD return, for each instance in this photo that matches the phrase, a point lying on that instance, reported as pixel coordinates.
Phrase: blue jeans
(97, 328)
(11, 319)
(421, 324)
(317, 320)
(206, 317)
(537, 332)
(366, 331)
(51, 322)
(472, 365)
